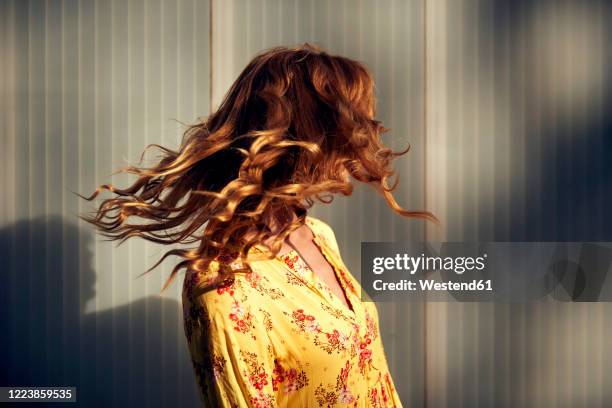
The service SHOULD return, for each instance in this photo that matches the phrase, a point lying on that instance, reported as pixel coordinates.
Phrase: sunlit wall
(505, 106)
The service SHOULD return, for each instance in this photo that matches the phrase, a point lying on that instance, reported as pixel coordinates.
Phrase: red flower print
(347, 281)
(333, 336)
(240, 317)
(373, 395)
(262, 400)
(345, 396)
(226, 287)
(365, 354)
(290, 260)
(259, 380)
(344, 372)
(290, 378)
(371, 329)
(306, 322)
(384, 395)
(253, 278)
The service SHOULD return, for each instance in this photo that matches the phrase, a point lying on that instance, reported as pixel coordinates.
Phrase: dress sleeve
(232, 356)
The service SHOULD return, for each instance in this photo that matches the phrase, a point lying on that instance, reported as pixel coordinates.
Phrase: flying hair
(291, 126)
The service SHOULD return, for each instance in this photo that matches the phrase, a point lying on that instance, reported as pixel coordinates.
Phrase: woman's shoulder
(320, 227)
(207, 284)
(222, 291)
(324, 231)
(316, 222)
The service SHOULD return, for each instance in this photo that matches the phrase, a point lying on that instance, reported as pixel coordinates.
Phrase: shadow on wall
(558, 88)
(130, 355)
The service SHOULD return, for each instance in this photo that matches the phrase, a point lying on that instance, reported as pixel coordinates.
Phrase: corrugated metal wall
(505, 105)
(85, 86)
(518, 148)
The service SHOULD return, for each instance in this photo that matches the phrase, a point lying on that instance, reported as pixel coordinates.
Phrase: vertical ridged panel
(517, 130)
(85, 86)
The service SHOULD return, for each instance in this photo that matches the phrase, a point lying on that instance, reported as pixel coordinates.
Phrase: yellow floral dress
(279, 337)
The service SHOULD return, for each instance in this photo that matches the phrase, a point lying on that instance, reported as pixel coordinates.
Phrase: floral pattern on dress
(330, 341)
(300, 267)
(330, 395)
(259, 283)
(276, 337)
(288, 380)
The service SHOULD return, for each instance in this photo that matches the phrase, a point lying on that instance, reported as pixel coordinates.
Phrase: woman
(272, 316)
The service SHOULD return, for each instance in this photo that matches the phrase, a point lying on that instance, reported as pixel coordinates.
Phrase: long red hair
(290, 127)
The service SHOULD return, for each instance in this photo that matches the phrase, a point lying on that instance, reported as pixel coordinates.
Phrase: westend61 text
(429, 285)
